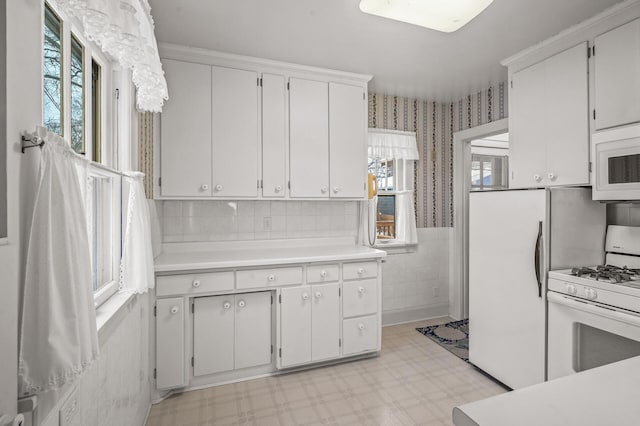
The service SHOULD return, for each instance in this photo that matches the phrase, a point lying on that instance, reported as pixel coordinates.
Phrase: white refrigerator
(515, 238)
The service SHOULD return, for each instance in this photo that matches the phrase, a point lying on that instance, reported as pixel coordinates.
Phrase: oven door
(584, 335)
(616, 157)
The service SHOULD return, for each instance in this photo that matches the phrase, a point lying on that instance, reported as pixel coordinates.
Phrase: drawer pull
(242, 304)
(361, 271)
(336, 190)
(196, 283)
(278, 188)
(204, 187)
(305, 296)
(219, 187)
(323, 274)
(318, 295)
(174, 310)
(271, 277)
(360, 326)
(361, 289)
(324, 189)
(226, 305)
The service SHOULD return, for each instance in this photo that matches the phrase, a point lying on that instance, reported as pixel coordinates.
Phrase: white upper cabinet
(617, 76)
(274, 136)
(185, 126)
(549, 122)
(347, 140)
(235, 137)
(309, 138)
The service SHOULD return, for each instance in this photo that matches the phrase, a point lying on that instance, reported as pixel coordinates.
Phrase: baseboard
(402, 316)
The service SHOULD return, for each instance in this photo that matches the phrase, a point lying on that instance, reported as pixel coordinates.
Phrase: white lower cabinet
(309, 324)
(360, 298)
(360, 335)
(170, 361)
(231, 332)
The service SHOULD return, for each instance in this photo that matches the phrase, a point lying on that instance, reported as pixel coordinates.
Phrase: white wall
(409, 279)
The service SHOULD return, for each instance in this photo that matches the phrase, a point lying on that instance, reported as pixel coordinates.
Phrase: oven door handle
(595, 309)
(537, 258)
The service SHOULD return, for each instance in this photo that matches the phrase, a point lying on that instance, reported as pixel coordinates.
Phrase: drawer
(359, 298)
(268, 277)
(322, 273)
(359, 270)
(194, 283)
(360, 335)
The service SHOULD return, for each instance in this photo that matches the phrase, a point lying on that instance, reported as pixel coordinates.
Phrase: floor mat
(453, 336)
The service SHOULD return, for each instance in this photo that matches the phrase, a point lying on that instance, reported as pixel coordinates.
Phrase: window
(489, 172)
(87, 127)
(77, 96)
(52, 99)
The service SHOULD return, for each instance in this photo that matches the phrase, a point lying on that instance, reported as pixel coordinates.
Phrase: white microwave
(616, 164)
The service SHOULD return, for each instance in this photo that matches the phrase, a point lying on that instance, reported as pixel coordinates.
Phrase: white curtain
(124, 30)
(392, 144)
(58, 338)
(136, 264)
(406, 218)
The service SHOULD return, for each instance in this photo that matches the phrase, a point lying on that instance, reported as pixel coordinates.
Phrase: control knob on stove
(572, 289)
(591, 293)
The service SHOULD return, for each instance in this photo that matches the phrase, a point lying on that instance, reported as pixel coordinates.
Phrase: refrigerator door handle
(537, 258)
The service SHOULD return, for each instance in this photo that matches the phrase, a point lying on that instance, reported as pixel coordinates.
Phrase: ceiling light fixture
(441, 15)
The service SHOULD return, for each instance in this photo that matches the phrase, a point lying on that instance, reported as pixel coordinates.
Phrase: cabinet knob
(174, 310)
(361, 271)
(361, 326)
(242, 304)
(336, 189)
(219, 187)
(324, 189)
(305, 296)
(278, 188)
(318, 295)
(204, 187)
(361, 289)
(196, 283)
(552, 176)
(323, 274)
(226, 304)
(271, 277)
(537, 178)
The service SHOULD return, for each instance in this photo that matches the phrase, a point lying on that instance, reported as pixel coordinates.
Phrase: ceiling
(404, 59)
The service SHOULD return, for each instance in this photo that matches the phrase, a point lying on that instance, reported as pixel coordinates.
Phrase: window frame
(487, 158)
(108, 136)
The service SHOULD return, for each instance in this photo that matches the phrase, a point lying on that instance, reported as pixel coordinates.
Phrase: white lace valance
(124, 30)
(392, 144)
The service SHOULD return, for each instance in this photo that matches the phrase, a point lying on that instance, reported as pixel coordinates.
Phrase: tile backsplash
(217, 220)
(623, 214)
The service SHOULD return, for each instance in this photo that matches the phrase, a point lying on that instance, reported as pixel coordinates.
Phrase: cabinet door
(253, 329)
(309, 138)
(347, 141)
(170, 363)
(527, 152)
(274, 136)
(185, 131)
(567, 117)
(617, 76)
(235, 132)
(325, 322)
(213, 328)
(295, 326)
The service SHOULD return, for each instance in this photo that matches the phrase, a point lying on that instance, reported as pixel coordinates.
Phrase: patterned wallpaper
(435, 124)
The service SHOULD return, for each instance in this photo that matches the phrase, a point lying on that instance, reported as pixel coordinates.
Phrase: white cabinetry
(274, 136)
(309, 324)
(549, 122)
(185, 128)
(231, 332)
(309, 138)
(170, 361)
(617, 76)
(235, 137)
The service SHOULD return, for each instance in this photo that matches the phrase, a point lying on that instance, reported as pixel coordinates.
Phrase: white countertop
(608, 395)
(236, 254)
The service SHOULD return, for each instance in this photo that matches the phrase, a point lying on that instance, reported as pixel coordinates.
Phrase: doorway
(462, 171)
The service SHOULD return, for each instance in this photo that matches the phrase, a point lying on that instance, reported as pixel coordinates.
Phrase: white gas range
(594, 312)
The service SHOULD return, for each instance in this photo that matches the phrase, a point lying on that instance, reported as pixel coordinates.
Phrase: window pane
(96, 113)
(102, 246)
(386, 217)
(52, 99)
(77, 96)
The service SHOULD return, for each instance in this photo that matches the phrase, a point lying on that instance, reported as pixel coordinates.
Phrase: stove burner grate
(610, 273)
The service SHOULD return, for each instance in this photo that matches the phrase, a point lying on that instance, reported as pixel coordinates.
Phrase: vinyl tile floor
(413, 382)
